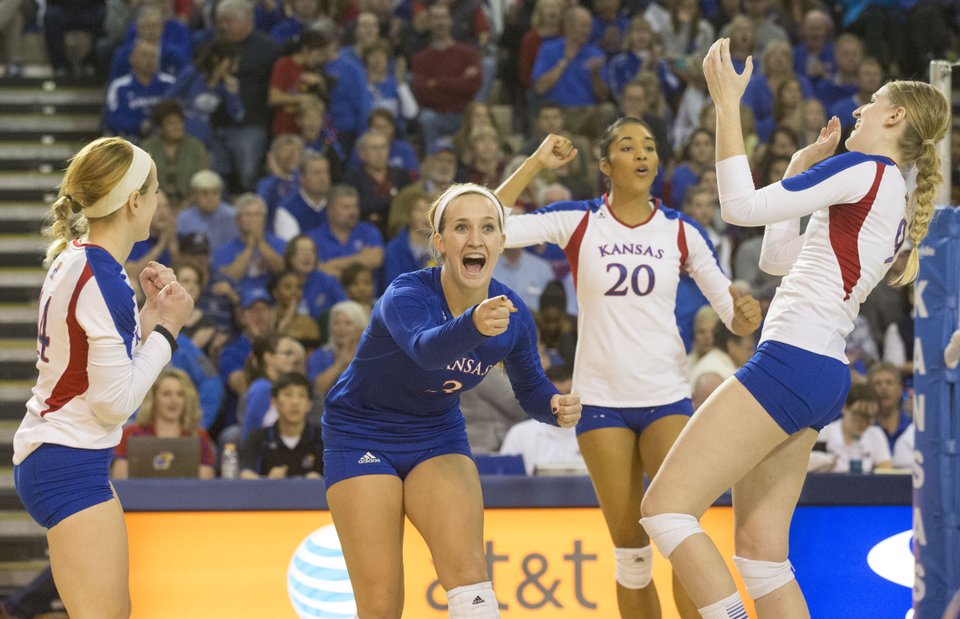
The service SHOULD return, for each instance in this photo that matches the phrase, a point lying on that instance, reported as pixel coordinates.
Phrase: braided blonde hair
(90, 175)
(928, 119)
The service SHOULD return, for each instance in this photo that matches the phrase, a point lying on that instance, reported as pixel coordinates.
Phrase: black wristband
(169, 337)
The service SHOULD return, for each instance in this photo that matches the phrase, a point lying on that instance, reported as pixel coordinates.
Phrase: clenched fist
(567, 408)
(492, 317)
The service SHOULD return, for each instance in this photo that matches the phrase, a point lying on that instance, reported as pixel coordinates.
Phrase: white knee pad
(763, 577)
(634, 566)
(477, 601)
(669, 530)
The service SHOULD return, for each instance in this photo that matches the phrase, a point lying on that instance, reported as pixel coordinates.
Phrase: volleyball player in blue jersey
(394, 436)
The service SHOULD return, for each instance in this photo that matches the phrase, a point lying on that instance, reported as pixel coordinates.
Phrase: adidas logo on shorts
(368, 458)
(478, 600)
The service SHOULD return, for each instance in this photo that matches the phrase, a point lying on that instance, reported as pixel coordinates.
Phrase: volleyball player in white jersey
(756, 431)
(97, 357)
(626, 251)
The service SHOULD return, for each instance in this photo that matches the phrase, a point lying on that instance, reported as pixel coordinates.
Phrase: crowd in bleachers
(299, 144)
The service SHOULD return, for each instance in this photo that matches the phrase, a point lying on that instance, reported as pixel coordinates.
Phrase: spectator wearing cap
(439, 171)
(343, 239)
(252, 258)
(305, 209)
(130, 97)
(569, 71)
(256, 316)
(446, 77)
(377, 182)
(178, 156)
(208, 214)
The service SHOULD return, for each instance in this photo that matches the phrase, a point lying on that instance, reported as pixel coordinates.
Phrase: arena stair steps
(44, 122)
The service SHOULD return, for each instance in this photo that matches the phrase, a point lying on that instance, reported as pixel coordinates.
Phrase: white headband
(133, 179)
(461, 190)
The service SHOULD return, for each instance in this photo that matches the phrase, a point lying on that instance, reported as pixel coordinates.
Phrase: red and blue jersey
(94, 370)
(629, 349)
(857, 204)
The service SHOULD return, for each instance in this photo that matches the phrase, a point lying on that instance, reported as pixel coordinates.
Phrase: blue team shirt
(329, 246)
(402, 389)
(320, 292)
(574, 87)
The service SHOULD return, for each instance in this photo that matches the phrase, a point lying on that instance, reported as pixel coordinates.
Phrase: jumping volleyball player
(394, 436)
(756, 431)
(627, 251)
(97, 358)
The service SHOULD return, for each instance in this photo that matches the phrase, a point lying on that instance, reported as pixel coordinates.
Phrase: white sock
(476, 601)
(728, 608)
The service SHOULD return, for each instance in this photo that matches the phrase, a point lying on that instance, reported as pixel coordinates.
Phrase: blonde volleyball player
(756, 431)
(395, 443)
(97, 357)
(627, 250)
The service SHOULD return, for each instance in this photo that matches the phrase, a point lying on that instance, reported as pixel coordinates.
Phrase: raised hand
(492, 317)
(555, 151)
(725, 84)
(746, 313)
(567, 408)
(825, 145)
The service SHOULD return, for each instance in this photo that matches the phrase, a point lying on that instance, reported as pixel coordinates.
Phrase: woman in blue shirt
(395, 439)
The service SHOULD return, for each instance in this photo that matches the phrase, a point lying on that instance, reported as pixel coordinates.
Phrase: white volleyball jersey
(629, 350)
(858, 203)
(93, 370)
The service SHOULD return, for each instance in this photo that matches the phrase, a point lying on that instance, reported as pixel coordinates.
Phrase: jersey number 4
(642, 280)
(42, 337)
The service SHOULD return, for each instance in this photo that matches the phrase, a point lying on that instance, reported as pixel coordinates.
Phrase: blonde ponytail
(96, 169)
(928, 119)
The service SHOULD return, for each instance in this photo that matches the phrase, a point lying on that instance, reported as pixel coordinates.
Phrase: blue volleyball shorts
(340, 464)
(796, 387)
(56, 481)
(636, 419)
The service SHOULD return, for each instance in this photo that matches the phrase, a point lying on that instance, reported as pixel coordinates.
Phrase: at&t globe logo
(317, 580)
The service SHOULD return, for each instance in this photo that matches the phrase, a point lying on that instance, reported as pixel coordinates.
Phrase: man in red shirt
(446, 76)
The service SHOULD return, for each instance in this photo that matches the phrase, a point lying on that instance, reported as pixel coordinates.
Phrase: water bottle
(230, 462)
(856, 458)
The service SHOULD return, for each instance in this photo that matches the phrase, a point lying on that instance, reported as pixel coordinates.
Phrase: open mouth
(474, 263)
(641, 170)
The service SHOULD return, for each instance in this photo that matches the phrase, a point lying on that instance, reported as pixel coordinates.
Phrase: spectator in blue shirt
(409, 250)
(305, 209)
(209, 86)
(254, 256)
(401, 153)
(283, 160)
(208, 214)
(350, 100)
(569, 72)
(869, 80)
(343, 239)
(171, 38)
(131, 97)
(320, 290)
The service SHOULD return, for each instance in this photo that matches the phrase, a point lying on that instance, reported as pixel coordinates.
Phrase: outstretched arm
(554, 152)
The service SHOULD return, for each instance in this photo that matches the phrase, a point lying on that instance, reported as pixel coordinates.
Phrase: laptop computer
(153, 456)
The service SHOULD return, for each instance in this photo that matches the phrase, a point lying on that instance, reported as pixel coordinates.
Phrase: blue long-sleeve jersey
(403, 387)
